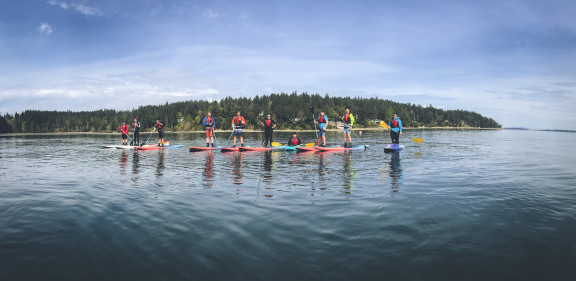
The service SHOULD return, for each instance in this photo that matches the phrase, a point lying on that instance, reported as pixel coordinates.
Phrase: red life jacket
(238, 121)
(346, 118)
(268, 123)
(159, 126)
(124, 129)
(321, 119)
(394, 123)
(209, 120)
(294, 141)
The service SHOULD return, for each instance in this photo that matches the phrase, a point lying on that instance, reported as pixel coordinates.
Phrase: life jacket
(136, 125)
(322, 119)
(238, 121)
(124, 129)
(209, 120)
(159, 126)
(294, 141)
(394, 123)
(268, 123)
(346, 118)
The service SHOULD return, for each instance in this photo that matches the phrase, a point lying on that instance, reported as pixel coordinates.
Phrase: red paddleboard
(304, 148)
(201, 148)
(261, 148)
(229, 149)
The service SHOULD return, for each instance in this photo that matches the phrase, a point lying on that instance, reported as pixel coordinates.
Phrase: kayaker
(238, 123)
(124, 131)
(322, 123)
(269, 124)
(395, 129)
(294, 140)
(348, 120)
(209, 124)
(136, 130)
(160, 128)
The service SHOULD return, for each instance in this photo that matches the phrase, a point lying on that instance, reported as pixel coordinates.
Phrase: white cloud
(45, 28)
(79, 7)
(210, 14)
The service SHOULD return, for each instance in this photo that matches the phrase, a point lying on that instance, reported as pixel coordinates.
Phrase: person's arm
(204, 121)
(400, 124)
(273, 124)
(299, 141)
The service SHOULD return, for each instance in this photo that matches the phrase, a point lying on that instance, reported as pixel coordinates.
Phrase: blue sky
(514, 61)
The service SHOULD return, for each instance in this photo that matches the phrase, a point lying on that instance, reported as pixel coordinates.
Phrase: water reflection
(267, 169)
(160, 167)
(237, 176)
(349, 172)
(322, 171)
(207, 173)
(395, 171)
(123, 162)
(135, 166)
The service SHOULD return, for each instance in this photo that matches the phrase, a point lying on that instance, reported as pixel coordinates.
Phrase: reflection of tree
(395, 170)
(207, 174)
(237, 168)
(349, 172)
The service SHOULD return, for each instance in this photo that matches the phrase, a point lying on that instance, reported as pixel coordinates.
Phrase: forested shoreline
(291, 111)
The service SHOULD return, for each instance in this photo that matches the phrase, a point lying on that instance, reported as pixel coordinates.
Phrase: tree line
(291, 111)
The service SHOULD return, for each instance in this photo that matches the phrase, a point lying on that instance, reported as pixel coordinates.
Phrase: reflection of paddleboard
(260, 148)
(155, 147)
(393, 147)
(123, 146)
(228, 149)
(201, 148)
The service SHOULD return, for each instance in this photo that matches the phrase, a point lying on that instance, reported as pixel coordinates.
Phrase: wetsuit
(294, 141)
(395, 129)
(268, 130)
(136, 130)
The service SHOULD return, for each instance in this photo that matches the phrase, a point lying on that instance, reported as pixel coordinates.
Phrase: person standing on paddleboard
(160, 128)
(294, 140)
(395, 129)
(322, 123)
(124, 131)
(209, 124)
(136, 130)
(348, 120)
(238, 123)
(269, 126)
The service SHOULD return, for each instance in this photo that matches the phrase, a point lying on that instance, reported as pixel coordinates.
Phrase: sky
(510, 60)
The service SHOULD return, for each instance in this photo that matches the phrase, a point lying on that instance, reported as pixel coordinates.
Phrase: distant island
(291, 111)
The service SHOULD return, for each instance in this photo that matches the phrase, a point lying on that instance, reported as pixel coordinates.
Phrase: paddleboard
(260, 148)
(291, 148)
(155, 147)
(393, 147)
(304, 148)
(202, 148)
(118, 146)
(229, 149)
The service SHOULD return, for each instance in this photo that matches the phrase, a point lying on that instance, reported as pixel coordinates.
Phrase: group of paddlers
(238, 124)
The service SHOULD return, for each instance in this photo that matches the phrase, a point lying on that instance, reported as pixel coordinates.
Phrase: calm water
(463, 205)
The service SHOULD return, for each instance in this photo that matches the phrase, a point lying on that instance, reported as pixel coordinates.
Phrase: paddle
(275, 144)
(314, 120)
(384, 125)
(310, 144)
(214, 135)
(148, 137)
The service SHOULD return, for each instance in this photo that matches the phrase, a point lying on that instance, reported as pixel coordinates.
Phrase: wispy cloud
(210, 14)
(79, 7)
(45, 28)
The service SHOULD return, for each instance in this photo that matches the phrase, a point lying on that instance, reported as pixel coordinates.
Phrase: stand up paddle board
(304, 148)
(155, 147)
(229, 149)
(260, 148)
(291, 148)
(340, 148)
(393, 147)
(202, 148)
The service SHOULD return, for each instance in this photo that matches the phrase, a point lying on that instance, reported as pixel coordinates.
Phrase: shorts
(322, 132)
(161, 133)
(237, 133)
(124, 136)
(347, 130)
(209, 133)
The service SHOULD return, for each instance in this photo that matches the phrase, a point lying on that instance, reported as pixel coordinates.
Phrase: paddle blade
(384, 125)
(418, 140)
(310, 144)
(275, 144)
